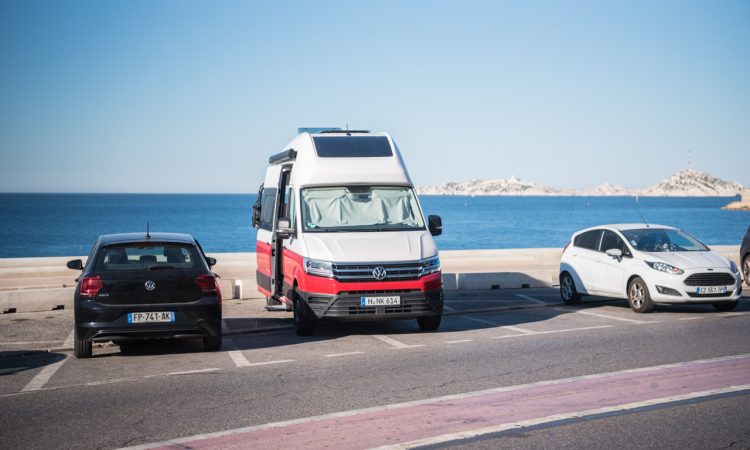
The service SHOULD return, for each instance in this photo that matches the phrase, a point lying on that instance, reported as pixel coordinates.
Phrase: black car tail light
(208, 285)
(90, 286)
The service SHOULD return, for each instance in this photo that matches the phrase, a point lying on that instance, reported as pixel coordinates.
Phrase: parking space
(265, 339)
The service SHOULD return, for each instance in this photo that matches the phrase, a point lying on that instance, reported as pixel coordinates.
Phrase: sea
(33, 225)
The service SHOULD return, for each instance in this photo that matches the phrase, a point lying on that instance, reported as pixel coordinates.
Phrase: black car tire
(82, 347)
(639, 298)
(429, 323)
(726, 306)
(568, 292)
(746, 269)
(212, 343)
(304, 321)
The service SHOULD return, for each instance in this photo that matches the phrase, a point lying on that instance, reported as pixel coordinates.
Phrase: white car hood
(379, 246)
(689, 260)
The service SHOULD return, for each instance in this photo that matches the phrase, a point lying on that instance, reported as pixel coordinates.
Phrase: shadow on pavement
(12, 362)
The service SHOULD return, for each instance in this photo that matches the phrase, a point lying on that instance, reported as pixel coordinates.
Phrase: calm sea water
(67, 224)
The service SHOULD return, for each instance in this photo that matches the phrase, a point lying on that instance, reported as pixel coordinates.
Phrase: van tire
(304, 321)
(726, 306)
(82, 347)
(568, 291)
(639, 298)
(212, 343)
(429, 323)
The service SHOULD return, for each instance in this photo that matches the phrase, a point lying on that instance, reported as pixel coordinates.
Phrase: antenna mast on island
(690, 162)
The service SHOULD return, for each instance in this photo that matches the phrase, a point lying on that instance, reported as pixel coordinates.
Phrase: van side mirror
(435, 225)
(75, 264)
(284, 229)
(615, 253)
(210, 261)
(256, 208)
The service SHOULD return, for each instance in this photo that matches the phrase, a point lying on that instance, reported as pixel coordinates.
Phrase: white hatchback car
(647, 265)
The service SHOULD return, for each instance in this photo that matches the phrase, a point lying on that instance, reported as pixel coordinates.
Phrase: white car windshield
(663, 240)
(360, 208)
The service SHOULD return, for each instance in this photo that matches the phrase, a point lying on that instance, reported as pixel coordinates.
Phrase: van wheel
(212, 343)
(726, 306)
(304, 322)
(82, 347)
(568, 290)
(429, 323)
(639, 298)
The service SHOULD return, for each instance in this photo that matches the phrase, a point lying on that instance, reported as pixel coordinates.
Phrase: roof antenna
(347, 130)
(148, 230)
(638, 210)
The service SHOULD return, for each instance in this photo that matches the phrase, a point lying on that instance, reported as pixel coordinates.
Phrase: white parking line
(692, 318)
(44, 375)
(531, 299)
(268, 363)
(237, 357)
(567, 330)
(335, 355)
(392, 342)
(448, 308)
(606, 316)
(68, 343)
(495, 324)
(28, 342)
(459, 341)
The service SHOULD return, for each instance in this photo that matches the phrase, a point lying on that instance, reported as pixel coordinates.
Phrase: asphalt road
(377, 382)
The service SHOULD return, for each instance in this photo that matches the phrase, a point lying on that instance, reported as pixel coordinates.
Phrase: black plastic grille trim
(710, 279)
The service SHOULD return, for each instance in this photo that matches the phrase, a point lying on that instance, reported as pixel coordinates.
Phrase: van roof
(342, 158)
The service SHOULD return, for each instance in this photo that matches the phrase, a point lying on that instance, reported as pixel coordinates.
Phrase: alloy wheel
(637, 295)
(567, 288)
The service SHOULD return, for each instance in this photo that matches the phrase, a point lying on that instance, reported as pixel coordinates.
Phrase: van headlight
(664, 267)
(733, 267)
(430, 265)
(318, 267)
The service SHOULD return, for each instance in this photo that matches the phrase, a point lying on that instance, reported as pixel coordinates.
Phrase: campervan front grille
(366, 272)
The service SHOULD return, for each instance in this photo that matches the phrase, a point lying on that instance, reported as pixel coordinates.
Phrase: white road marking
(531, 299)
(733, 314)
(558, 417)
(392, 342)
(44, 375)
(448, 308)
(268, 363)
(567, 330)
(495, 324)
(606, 316)
(335, 355)
(68, 343)
(459, 341)
(29, 342)
(237, 357)
(224, 327)
(272, 425)
(692, 318)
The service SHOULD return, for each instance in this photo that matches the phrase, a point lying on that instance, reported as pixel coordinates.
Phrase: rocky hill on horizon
(685, 183)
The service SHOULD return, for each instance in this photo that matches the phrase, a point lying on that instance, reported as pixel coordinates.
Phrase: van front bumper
(347, 305)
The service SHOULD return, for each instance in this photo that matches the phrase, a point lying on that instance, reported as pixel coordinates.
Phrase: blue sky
(183, 96)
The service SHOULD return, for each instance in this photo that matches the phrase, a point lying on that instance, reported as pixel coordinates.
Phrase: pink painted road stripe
(424, 420)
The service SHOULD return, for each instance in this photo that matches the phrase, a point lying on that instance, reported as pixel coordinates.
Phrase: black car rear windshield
(148, 256)
(352, 146)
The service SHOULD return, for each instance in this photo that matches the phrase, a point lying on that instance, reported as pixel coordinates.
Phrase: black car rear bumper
(347, 305)
(98, 322)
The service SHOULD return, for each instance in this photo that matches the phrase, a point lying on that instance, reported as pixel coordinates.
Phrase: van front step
(277, 308)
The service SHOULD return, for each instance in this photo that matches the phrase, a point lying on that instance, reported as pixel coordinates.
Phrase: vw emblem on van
(379, 273)
(150, 285)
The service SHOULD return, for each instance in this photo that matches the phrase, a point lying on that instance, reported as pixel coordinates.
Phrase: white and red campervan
(341, 234)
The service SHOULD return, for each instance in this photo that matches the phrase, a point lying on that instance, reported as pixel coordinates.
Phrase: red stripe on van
(263, 257)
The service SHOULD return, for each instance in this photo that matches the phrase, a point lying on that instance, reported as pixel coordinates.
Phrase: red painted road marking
(457, 414)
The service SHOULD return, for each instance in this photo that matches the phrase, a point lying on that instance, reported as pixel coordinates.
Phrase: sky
(186, 96)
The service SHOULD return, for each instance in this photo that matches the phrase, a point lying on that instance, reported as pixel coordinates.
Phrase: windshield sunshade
(360, 208)
(352, 146)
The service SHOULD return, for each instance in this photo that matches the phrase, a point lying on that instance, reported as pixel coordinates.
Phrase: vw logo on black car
(150, 285)
(379, 273)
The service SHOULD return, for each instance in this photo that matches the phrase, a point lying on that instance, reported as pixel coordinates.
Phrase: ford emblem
(150, 285)
(379, 273)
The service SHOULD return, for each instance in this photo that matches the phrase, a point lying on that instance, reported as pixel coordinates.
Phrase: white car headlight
(318, 267)
(430, 265)
(733, 267)
(664, 267)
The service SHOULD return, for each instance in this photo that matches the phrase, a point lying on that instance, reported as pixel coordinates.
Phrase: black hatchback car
(745, 257)
(145, 286)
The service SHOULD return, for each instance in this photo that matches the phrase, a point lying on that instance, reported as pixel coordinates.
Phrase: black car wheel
(82, 347)
(304, 322)
(568, 291)
(212, 343)
(429, 323)
(639, 298)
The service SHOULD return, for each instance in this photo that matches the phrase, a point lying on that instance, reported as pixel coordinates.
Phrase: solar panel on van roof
(352, 146)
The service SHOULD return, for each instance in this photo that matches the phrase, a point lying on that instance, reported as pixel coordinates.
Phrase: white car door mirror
(615, 253)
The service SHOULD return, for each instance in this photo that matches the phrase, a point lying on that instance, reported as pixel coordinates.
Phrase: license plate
(711, 290)
(151, 317)
(380, 301)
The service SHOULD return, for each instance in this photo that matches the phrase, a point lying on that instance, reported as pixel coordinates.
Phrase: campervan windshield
(360, 208)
